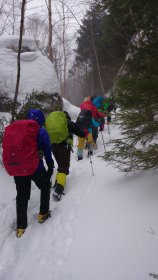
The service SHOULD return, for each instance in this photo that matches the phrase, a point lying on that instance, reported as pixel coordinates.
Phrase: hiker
(98, 102)
(91, 105)
(61, 129)
(108, 107)
(35, 145)
(100, 108)
(111, 107)
(88, 139)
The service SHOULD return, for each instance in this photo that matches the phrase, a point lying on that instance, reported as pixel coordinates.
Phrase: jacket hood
(37, 115)
(98, 101)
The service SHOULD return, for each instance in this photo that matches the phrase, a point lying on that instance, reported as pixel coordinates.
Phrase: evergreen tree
(42, 100)
(109, 48)
(136, 92)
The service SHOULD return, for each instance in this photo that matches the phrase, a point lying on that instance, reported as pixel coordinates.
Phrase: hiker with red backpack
(24, 144)
(86, 120)
(61, 129)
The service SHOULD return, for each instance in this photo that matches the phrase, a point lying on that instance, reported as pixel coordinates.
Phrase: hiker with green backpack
(61, 129)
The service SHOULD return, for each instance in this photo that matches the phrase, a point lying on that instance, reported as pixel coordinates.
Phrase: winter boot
(58, 192)
(90, 153)
(43, 217)
(90, 149)
(101, 127)
(19, 232)
(80, 158)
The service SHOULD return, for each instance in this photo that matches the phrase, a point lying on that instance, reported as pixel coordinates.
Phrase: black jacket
(73, 128)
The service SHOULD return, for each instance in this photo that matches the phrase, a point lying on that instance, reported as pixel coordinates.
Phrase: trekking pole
(109, 132)
(90, 157)
(103, 141)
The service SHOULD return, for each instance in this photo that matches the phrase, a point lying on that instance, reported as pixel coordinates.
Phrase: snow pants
(23, 187)
(62, 153)
(109, 117)
(82, 143)
(95, 133)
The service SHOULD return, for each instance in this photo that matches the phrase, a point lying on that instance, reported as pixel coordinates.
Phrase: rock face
(37, 72)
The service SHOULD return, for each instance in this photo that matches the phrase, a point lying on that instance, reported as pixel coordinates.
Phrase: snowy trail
(47, 243)
(88, 235)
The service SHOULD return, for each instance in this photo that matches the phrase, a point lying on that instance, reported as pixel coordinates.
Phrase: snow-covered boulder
(37, 72)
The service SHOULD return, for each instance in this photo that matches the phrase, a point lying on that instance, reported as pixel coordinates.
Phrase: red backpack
(19, 148)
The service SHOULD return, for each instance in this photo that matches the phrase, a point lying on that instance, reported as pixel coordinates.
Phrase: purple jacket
(43, 141)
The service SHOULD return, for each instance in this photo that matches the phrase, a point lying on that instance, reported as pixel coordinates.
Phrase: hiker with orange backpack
(24, 144)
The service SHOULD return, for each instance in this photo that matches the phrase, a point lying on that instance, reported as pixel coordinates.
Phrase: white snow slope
(105, 227)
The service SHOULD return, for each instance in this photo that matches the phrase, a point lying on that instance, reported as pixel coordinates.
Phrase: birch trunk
(18, 60)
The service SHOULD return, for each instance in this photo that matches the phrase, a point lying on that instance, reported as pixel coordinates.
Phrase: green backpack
(57, 127)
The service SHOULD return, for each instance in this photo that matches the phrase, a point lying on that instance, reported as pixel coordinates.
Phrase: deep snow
(105, 227)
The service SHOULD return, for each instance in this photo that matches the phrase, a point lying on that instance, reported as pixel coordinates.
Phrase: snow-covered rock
(37, 72)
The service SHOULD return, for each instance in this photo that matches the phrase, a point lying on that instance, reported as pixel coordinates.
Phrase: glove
(70, 141)
(70, 144)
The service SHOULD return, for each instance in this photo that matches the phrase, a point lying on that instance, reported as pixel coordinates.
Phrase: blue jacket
(93, 123)
(43, 141)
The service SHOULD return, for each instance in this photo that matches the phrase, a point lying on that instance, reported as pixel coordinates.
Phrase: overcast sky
(75, 8)
(74, 12)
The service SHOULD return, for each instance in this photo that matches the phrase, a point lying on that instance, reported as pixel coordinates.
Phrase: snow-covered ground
(105, 227)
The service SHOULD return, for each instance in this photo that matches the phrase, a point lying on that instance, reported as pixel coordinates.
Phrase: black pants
(23, 187)
(95, 133)
(62, 155)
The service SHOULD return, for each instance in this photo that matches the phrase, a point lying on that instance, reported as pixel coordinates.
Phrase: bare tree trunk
(18, 60)
(50, 30)
(13, 27)
(64, 51)
(23, 30)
